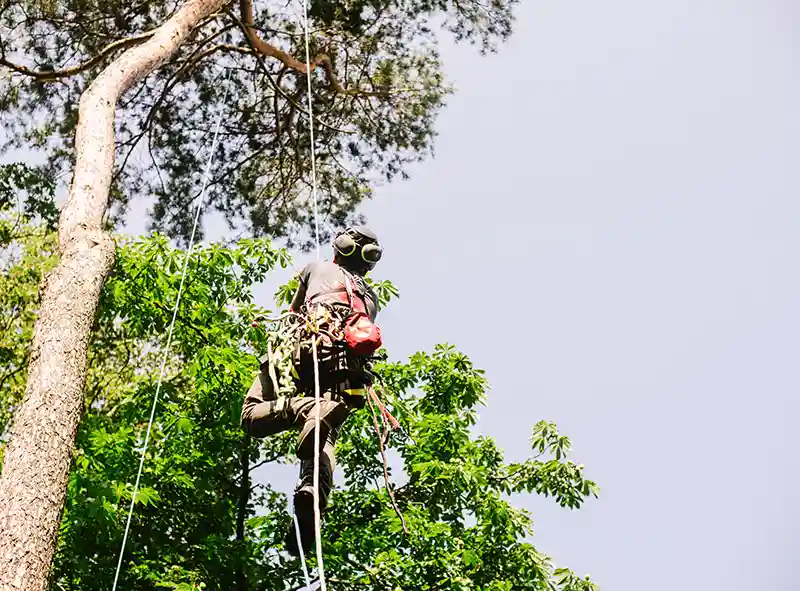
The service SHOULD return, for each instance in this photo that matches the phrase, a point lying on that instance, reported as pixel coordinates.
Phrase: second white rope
(169, 342)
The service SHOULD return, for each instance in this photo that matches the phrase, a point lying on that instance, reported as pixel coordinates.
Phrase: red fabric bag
(363, 337)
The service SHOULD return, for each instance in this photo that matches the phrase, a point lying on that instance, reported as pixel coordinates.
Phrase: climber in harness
(336, 296)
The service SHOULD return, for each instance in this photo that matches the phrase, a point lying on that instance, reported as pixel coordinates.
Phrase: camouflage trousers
(264, 414)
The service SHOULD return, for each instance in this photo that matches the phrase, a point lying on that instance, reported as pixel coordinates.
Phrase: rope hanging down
(317, 396)
(302, 554)
(199, 207)
(317, 401)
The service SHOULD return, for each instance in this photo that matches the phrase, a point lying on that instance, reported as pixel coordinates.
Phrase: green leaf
(184, 425)
(146, 496)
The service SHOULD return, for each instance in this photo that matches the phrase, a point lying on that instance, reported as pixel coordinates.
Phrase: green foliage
(463, 533)
(284, 294)
(29, 190)
(200, 522)
(385, 290)
(192, 525)
(189, 522)
(384, 53)
(27, 252)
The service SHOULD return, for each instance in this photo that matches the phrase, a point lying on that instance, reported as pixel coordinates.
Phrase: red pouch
(362, 336)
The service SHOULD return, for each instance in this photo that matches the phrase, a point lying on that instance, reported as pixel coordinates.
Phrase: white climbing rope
(311, 130)
(317, 454)
(317, 460)
(199, 207)
(302, 554)
(317, 397)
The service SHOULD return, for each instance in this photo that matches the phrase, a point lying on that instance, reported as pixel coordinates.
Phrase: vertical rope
(317, 460)
(311, 128)
(302, 554)
(317, 451)
(169, 340)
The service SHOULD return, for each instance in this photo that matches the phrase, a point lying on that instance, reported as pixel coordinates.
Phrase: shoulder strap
(348, 287)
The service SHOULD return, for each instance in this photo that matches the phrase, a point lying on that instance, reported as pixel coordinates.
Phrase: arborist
(335, 296)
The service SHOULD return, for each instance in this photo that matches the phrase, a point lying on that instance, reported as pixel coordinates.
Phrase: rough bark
(38, 456)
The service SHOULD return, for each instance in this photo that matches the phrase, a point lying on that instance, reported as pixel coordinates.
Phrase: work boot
(331, 415)
(304, 497)
(304, 511)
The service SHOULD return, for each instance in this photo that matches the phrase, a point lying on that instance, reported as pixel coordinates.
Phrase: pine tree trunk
(39, 453)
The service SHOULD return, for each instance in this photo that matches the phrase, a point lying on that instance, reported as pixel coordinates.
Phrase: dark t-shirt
(324, 281)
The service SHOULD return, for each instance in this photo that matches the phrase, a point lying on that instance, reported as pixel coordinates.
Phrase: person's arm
(302, 288)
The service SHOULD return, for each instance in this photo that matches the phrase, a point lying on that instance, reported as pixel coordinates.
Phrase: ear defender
(345, 245)
(371, 253)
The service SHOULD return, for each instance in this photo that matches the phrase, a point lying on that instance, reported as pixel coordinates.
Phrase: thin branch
(48, 76)
(276, 85)
(321, 59)
(10, 374)
(269, 460)
(191, 60)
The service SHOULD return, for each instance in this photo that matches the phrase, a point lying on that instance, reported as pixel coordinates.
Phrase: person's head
(357, 249)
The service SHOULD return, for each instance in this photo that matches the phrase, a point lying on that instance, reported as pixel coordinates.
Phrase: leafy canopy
(202, 519)
(378, 86)
(27, 251)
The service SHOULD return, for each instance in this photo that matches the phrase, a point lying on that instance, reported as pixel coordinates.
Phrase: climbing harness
(200, 200)
(288, 343)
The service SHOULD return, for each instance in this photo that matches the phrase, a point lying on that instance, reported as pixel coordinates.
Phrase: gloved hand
(369, 377)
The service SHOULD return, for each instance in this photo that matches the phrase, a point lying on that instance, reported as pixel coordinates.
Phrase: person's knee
(246, 420)
(260, 419)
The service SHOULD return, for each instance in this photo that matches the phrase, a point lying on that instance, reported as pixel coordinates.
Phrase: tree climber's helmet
(357, 248)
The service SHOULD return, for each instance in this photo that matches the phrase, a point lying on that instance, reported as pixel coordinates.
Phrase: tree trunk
(39, 453)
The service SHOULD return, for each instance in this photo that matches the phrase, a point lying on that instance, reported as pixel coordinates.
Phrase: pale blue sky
(615, 194)
(617, 191)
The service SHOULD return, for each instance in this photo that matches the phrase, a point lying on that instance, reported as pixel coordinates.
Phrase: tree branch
(248, 26)
(244, 500)
(10, 374)
(51, 75)
(276, 84)
(191, 60)
(272, 458)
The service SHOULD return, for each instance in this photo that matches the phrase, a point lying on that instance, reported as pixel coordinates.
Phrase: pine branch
(321, 59)
(51, 75)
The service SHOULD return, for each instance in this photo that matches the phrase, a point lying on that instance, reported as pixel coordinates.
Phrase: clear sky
(610, 228)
